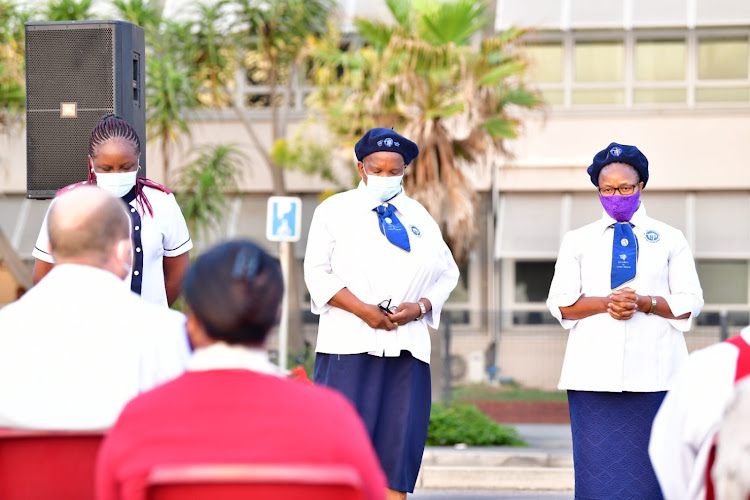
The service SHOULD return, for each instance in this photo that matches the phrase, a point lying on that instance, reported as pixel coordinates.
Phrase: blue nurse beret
(385, 139)
(619, 153)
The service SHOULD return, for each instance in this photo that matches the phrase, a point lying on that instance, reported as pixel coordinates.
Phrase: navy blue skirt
(610, 444)
(393, 397)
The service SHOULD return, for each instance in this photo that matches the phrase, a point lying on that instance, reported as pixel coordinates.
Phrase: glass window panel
(722, 59)
(599, 96)
(599, 61)
(736, 319)
(585, 207)
(533, 280)
(723, 281)
(666, 207)
(517, 235)
(648, 96)
(732, 233)
(546, 63)
(460, 294)
(553, 97)
(722, 94)
(533, 318)
(658, 60)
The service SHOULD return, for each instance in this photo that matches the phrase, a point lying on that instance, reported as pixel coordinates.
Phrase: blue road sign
(284, 218)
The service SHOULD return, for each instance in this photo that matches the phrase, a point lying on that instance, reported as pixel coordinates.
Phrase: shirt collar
(400, 201)
(222, 356)
(639, 218)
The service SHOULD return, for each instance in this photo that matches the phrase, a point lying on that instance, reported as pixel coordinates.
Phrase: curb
(496, 478)
(496, 469)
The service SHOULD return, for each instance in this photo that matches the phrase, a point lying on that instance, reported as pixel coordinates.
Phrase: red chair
(255, 481)
(44, 465)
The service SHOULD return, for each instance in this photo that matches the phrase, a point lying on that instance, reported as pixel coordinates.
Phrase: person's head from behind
(233, 293)
(91, 227)
(114, 151)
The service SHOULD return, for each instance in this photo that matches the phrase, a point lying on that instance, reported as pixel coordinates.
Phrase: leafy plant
(69, 10)
(463, 423)
(204, 183)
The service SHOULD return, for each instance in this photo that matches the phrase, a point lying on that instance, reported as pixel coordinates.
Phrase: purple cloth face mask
(621, 208)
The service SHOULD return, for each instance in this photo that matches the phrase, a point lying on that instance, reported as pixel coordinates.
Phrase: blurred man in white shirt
(79, 345)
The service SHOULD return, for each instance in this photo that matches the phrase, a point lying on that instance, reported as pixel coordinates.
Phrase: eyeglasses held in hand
(385, 306)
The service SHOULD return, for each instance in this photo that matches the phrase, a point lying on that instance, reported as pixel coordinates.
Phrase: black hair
(235, 290)
(113, 127)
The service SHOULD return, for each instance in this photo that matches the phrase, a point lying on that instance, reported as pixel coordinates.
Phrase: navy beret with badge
(385, 139)
(619, 153)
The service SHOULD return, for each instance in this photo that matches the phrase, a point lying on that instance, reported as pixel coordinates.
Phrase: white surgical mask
(383, 188)
(117, 183)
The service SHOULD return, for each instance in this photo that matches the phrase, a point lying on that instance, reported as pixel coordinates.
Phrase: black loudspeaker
(77, 72)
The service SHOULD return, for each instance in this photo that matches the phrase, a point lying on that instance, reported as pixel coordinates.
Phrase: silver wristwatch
(422, 309)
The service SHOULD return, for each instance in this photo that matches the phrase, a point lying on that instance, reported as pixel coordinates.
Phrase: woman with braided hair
(161, 241)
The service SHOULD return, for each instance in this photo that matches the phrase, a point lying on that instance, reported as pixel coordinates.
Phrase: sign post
(283, 224)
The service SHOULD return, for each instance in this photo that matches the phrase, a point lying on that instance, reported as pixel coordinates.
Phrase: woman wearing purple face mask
(626, 288)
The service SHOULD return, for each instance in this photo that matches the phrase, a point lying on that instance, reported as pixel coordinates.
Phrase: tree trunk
(291, 293)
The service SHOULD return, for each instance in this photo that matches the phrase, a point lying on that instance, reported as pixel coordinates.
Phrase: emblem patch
(615, 151)
(415, 230)
(652, 236)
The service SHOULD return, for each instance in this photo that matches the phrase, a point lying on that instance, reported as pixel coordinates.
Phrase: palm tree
(139, 12)
(170, 91)
(430, 77)
(203, 184)
(68, 10)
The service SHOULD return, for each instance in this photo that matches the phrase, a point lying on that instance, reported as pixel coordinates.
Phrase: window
(726, 61)
(598, 63)
(657, 67)
(660, 71)
(723, 281)
(546, 66)
(532, 281)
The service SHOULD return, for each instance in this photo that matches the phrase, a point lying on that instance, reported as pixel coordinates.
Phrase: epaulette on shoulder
(71, 188)
(148, 182)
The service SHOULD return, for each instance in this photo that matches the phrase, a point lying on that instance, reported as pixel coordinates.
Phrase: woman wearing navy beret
(627, 289)
(378, 272)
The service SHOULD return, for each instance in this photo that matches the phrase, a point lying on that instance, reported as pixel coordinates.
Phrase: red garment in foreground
(225, 416)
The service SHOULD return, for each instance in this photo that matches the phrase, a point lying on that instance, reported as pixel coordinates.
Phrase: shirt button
(137, 228)
(138, 249)
(136, 273)
(132, 209)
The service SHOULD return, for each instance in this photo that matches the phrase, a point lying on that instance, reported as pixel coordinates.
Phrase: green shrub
(464, 423)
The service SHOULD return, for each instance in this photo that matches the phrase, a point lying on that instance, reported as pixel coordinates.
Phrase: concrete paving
(546, 464)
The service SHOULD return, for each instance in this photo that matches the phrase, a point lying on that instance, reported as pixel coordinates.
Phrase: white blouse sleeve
(176, 237)
(439, 291)
(566, 285)
(686, 294)
(42, 250)
(319, 277)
